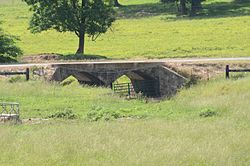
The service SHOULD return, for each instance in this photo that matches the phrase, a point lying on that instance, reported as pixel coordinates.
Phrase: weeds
(67, 114)
(16, 79)
(207, 112)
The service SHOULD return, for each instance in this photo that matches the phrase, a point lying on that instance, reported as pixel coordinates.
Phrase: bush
(67, 114)
(68, 81)
(207, 112)
(99, 114)
(16, 79)
(8, 49)
(168, 1)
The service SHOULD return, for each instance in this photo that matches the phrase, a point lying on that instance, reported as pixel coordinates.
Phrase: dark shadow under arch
(142, 83)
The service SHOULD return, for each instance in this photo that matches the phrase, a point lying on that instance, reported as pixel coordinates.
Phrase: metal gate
(124, 89)
(148, 88)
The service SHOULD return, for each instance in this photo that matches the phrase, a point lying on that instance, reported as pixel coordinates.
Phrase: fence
(9, 111)
(228, 70)
(148, 88)
(26, 73)
(124, 89)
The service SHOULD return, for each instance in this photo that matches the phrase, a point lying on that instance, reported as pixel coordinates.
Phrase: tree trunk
(117, 4)
(195, 6)
(183, 7)
(80, 49)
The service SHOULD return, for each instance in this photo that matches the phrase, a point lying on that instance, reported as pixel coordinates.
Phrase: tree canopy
(8, 49)
(92, 17)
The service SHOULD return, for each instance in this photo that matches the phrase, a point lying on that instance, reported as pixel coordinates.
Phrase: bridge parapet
(103, 74)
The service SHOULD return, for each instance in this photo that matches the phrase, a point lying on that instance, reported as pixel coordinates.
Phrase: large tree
(92, 17)
(8, 49)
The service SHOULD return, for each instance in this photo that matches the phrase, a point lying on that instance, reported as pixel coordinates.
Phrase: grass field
(146, 29)
(206, 124)
(168, 132)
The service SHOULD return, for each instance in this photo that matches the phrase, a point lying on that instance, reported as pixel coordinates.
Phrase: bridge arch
(141, 82)
(82, 77)
(166, 81)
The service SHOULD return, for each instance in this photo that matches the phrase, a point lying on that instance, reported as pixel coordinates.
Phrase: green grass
(146, 29)
(41, 99)
(141, 131)
(172, 132)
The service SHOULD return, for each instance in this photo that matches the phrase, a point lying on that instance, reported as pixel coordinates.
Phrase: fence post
(128, 89)
(227, 71)
(27, 74)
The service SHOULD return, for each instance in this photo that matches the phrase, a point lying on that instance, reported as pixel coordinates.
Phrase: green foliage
(66, 114)
(98, 113)
(168, 1)
(8, 49)
(68, 81)
(207, 112)
(16, 79)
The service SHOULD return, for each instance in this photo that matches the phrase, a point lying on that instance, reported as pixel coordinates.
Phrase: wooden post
(27, 74)
(207, 74)
(128, 89)
(227, 71)
(111, 85)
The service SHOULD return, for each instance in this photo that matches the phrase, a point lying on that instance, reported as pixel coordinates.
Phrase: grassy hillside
(146, 29)
(170, 132)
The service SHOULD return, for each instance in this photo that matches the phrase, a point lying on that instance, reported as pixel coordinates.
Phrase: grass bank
(171, 132)
(207, 124)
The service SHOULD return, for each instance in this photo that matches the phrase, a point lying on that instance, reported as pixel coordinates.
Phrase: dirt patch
(41, 58)
(49, 58)
(205, 70)
(34, 121)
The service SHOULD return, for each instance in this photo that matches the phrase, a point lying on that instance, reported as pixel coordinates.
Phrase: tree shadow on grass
(82, 57)
(213, 10)
(226, 9)
(146, 10)
(220, 10)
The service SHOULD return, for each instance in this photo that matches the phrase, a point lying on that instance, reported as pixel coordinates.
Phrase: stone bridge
(166, 81)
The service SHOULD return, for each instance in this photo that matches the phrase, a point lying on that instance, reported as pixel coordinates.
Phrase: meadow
(72, 124)
(207, 124)
(145, 29)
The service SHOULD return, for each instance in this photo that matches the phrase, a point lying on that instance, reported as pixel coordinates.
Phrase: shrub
(67, 114)
(68, 81)
(8, 49)
(96, 115)
(168, 1)
(16, 79)
(207, 112)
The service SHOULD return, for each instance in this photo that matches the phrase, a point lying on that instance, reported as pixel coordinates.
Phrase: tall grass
(195, 141)
(40, 99)
(173, 133)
